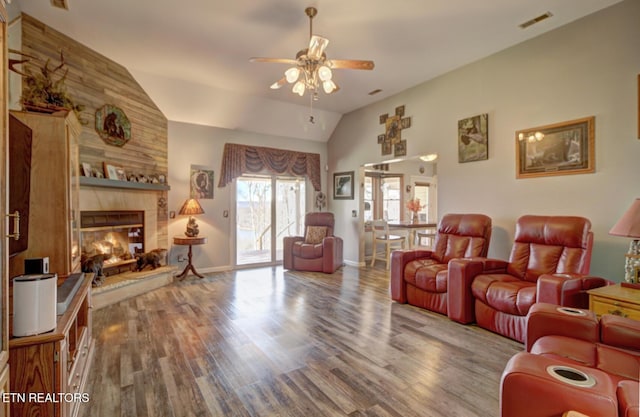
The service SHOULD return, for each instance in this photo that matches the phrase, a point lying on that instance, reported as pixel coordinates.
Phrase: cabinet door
(74, 193)
(4, 246)
(20, 136)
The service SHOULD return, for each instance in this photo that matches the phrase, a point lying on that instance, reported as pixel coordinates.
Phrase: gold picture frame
(114, 172)
(558, 149)
(638, 106)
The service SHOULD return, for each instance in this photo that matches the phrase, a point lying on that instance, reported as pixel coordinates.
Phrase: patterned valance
(240, 159)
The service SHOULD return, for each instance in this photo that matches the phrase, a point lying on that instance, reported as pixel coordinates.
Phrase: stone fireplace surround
(121, 286)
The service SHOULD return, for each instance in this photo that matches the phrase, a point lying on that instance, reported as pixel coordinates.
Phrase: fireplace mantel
(108, 183)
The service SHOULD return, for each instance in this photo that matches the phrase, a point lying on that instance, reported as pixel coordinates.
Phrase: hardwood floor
(268, 342)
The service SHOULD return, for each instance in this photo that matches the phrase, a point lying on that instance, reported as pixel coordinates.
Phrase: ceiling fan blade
(317, 45)
(274, 60)
(282, 81)
(352, 64)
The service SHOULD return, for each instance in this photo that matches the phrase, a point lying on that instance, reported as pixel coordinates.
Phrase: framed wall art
(638, 106)
(558, 149)
(113, 125)
(201, 182)
(343, 185)
(473, 138)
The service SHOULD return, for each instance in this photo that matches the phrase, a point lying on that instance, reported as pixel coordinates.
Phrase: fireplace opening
(118, 235)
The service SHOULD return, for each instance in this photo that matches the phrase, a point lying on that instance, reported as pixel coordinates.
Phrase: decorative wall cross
(392, 140)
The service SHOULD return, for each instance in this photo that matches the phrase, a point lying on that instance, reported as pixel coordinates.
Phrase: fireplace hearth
(117, 234)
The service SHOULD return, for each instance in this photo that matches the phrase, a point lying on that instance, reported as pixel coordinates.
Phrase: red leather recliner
(549, 262)
(305, 254)
(419, 276)
(604, 354)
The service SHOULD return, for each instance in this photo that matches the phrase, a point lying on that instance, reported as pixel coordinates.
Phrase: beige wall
(203, 145)
(589, 67)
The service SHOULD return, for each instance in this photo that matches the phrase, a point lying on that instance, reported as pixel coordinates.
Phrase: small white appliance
(34, 304)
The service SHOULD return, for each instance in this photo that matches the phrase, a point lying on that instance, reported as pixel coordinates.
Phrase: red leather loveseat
(598, 363)
(549, 262)
(319, 250)
(419, 276)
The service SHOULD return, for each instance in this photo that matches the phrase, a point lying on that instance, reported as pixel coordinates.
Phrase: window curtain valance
(240, 159)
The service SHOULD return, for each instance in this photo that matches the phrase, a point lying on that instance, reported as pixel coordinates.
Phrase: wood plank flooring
(268, 342)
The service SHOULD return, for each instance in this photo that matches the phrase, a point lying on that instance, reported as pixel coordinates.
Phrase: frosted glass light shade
(292, 74)
(329, 86)
(317, 44)
(324, 73)
(298, 88)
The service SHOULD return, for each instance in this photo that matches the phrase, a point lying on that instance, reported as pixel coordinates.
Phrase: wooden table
(183, 240)
(412, 227)
(615, 299)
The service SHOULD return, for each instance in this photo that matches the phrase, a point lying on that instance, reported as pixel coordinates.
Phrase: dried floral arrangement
(44, 87)
(414, 205)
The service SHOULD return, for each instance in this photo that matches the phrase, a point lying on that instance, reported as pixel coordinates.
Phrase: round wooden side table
(190, 241)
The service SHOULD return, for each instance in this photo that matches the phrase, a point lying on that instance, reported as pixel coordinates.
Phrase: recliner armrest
(399, 260)
(546, 319)
(567, 289)
(620, 332)
(287, 250)
(462, 271)
(331, 254)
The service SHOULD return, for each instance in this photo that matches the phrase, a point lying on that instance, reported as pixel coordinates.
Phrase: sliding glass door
(267, 209)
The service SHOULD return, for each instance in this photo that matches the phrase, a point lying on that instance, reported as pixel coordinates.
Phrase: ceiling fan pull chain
(311, 119)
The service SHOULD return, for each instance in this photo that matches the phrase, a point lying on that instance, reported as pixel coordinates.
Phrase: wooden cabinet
(54, 196)
(4, 231)
(615, 299)
(54, 363)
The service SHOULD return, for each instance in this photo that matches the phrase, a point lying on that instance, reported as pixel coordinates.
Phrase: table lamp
(629, 226)
(190, 208)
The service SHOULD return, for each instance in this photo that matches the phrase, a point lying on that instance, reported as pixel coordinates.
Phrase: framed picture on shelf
(86, 169)
(343, 185)
(558, 149)
(114, 172)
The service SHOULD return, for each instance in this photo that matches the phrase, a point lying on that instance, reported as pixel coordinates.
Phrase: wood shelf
(107, 183)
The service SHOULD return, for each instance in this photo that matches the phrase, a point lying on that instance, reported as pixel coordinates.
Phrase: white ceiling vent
(535, 20)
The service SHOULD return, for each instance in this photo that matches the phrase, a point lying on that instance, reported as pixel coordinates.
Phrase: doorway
(268, 207)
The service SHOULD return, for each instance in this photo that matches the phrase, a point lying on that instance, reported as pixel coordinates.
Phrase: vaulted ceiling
(192, 57)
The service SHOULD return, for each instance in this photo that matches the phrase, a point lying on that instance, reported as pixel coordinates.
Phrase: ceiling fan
(311, 68)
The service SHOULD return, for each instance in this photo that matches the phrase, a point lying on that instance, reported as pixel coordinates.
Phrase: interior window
(421, 191)
(383, 196)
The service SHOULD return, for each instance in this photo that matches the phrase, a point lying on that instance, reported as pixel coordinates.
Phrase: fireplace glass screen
(118, 235)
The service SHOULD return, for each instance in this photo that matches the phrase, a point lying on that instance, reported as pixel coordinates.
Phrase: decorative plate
(112, 125)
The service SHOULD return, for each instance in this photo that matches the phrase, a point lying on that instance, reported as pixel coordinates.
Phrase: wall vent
(535, 20)
(62, 4)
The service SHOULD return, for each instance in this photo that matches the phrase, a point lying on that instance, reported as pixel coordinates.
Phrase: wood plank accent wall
(93, 81)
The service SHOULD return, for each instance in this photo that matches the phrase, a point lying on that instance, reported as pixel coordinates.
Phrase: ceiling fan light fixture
(292, 74)
(317, 45)
(299, 88)
(324, 73)
(329, 86)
